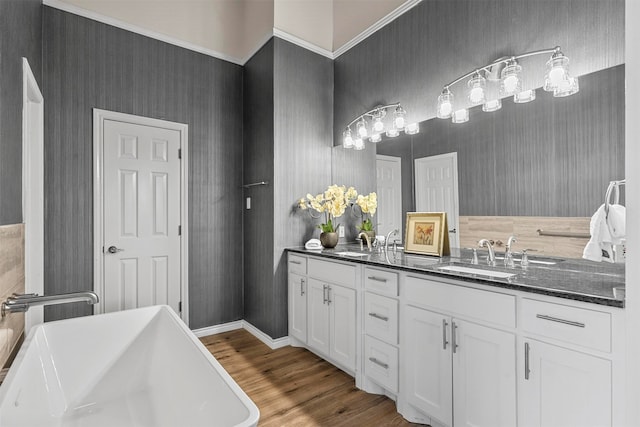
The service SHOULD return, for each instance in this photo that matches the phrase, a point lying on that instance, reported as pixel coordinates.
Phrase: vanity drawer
(297, 264)
(381, 363)
(332, 272)
(579, 326)
(381, 281)
(381, 317)
(485, 306)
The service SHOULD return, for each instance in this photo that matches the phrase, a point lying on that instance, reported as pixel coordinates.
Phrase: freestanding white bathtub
(139, 367)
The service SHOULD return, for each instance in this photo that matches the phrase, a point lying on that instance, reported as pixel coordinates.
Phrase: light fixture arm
(373, 110)
(504, 60)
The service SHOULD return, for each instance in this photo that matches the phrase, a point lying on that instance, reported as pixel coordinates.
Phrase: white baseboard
(243, 324)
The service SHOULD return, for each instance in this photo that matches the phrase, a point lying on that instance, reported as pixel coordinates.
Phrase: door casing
(99, 116)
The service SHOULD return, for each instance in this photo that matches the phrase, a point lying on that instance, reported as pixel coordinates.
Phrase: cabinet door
(298, 307)
(427, 361)
(565, 388)
(317, 316)
(484, 376)
(342, 312)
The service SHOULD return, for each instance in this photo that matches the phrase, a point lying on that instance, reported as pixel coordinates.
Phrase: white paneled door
(436, 187)
(389, 189)
(141, 216)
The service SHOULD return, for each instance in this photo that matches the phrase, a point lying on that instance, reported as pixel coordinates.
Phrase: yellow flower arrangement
(333, 203)
(368, 205)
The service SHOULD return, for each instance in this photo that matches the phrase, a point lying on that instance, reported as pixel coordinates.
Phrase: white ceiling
(234, 29)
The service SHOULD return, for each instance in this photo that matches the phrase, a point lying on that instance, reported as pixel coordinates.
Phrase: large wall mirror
(552, 157)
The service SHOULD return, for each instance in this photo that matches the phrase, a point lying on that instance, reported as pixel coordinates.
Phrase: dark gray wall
(92, 65)
(288, 128)
(551, 157)
(20, 36)
(258, 166)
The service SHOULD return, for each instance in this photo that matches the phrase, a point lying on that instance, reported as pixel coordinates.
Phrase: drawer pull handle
(295, 262)
(527, 371)
(377, 279)
(379, 316)
(379, 363)
(558, 320)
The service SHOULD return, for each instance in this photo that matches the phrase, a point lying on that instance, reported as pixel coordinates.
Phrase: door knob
(453, 231)
(113, 250)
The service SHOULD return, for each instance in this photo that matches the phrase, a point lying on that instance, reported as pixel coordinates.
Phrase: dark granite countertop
(574, 279)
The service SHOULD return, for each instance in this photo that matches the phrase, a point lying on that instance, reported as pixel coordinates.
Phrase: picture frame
(427, 233)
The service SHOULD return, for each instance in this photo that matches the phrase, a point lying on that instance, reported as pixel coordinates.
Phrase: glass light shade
(361, 128)
(347, 139)
(492, 105)
(375, 137)
(566, 88)
(524, 96)
(392, 133)
(412, 129)
(445, 105)
(557, 71)
(460, 116)
(378, 124)
(358, 144)
(476, 89)
(399, 118)
(510, 83)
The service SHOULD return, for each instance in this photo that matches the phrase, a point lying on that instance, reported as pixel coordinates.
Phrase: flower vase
(329, 240)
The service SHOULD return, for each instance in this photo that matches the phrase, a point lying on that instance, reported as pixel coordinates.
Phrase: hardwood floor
(294, 387)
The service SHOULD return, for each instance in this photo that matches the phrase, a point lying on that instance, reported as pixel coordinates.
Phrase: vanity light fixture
(377, 128)
(556, 79)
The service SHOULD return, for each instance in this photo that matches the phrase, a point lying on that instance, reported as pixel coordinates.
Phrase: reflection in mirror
(544, 164)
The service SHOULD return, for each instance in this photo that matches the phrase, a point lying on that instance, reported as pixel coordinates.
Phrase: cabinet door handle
(301, 287)
(444, 334)
(377, 279)
(379, 316)
(527, 371)
(324, 294)
(557, 319)
(295, 262)
(379, 363)
(454, 343)
(329, 295)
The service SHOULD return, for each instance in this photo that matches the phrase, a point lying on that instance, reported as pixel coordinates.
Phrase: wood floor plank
(294, 387)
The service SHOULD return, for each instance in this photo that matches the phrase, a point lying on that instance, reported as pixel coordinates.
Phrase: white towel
(605, 232)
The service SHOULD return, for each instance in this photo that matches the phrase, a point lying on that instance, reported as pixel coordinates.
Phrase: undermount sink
(545, 261)
(477, 271)
(347, 253)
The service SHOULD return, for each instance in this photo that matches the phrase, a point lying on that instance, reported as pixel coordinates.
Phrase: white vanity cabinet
(297, 278)
(331, 311)
(458, 371)
(567, 375)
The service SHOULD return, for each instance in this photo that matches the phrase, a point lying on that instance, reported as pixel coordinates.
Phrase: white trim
(61, 5)
(243, 324)
(400, 10)
(218, 329)
(33, 188)
(270, 342)
(302, 43)
(99, 116)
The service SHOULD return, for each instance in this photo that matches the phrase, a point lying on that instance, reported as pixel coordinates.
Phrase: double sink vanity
(458, 344)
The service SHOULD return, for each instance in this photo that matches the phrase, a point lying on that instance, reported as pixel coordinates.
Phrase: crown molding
(302, 43)
(400, 10)
(66, 7)
(259, 46)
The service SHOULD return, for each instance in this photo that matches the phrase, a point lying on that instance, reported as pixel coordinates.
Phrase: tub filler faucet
(19, 303)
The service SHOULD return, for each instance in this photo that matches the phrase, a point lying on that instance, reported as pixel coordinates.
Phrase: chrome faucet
(386, 240)
(491, 259)
(508, 253)
(366, 236)
(19, 303)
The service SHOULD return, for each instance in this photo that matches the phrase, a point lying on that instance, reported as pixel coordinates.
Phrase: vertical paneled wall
(258, 166)
(90, 65)
(303, 99)
(20, 36)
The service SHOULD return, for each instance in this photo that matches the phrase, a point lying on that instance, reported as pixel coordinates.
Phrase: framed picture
(427, 233)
